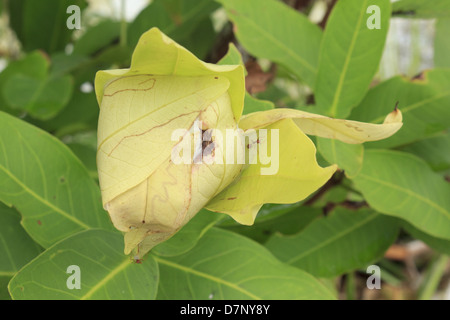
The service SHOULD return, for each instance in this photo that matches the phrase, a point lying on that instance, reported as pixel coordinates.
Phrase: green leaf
(438, 244)
(16, 247)
(442, 43)
(350, 54)
(225, 265)
(423, 102)
(42, 24)
(41, 98)
(81, 112)
(402, 185)
(434, 150)
(202, 39)
(252, 104)
(272, 30)
(421, 9)
(96, 38)
(34, 65)
(47, 184)
(233, 56)
(178, 19)
(185, 239)
(105, 272)
(349, 157)
(286, 219)
(339, 243)
(64, 64)
(87, 156)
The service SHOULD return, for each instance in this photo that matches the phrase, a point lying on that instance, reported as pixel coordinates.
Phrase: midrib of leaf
(7, 274)
(334, 238)
(416, 105)
(206, 276)
(408, 192)
(44, 201)
(107, 278)
(280, 44)
(347, 62)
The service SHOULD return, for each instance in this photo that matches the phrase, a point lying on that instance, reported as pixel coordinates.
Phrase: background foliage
(388, 205)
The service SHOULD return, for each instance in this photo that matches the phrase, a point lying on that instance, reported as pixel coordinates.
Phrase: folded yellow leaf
(149, 121)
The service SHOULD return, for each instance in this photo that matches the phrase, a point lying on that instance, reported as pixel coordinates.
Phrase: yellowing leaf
(345, 130)
(148, 196)
(298, 176)
(156, 54)
(137, 118)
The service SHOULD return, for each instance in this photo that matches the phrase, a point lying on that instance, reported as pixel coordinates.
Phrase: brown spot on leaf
(419, 76)
(177, 19)
(232, 198)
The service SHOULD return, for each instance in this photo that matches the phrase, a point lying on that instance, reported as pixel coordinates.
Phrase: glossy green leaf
(402, 185)
(16, 247)
(339, 243)
(348, 157)
(36, 28)
(442, 43)
(176, 18)
(272, 30)
(47, 184)
(225, 265)
(350, 54)
(105, 272)
(423, 102)
(421, 9)
(185, 239)
(435, 150)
